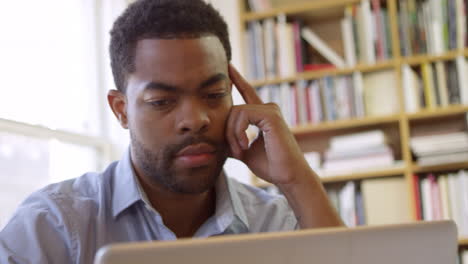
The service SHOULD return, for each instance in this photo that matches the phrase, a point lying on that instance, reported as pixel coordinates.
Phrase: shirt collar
(127, 191)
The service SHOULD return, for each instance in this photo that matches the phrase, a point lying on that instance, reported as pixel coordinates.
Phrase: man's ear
(118, 103)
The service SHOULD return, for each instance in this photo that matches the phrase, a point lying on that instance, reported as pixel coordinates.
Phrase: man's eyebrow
(213, 80)
(161, 86)
(171, 88)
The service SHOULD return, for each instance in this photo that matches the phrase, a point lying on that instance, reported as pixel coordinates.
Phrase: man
(170, 60)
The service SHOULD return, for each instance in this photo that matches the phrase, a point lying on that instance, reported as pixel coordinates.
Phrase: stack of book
(435, 84)
(437, 149)
(431, 26)
(357, 152)
(443, 197)
(372, 202)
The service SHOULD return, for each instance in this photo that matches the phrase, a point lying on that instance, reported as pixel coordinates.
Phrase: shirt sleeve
(36, 234)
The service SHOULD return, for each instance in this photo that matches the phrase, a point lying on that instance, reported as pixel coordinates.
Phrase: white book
(317, 43)
(444, 196)
(462, 79)
(379, 85)
(301, 87)
(410, 89)
(426, 199)
(464, 257)
(436, 26)
(373, 138)
(463, 178)
(369, 36)
(347, 204)
(461, 26)
(316, 103)
(443, 159)
(348, 41)
(249, 55)
(285, 105)
(341, 98)
(427, 27)
(455, 206)
(358, 94)
(270, 47)
(259, 50)
(286, 55)
(442, 83)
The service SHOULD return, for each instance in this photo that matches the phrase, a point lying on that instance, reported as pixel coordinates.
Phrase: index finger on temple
(244, 88)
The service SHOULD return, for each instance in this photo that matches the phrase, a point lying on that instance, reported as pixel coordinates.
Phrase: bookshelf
(399, 126)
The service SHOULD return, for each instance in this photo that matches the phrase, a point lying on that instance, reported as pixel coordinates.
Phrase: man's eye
(215, 95)
(162, 103)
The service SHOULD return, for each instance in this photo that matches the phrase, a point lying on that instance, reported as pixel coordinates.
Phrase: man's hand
(276, 157)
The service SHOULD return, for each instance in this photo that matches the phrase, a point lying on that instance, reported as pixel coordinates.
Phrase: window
(54, 122)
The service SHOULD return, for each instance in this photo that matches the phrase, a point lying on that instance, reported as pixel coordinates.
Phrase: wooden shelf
(438, 112)
(297, 8)
(463, 242)
(378, 173)
(437, 168)
(423, 58)
(310, 75)
(343, 124)
(414, 60)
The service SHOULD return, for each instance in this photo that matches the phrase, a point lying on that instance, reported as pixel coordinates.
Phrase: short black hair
(165, 19)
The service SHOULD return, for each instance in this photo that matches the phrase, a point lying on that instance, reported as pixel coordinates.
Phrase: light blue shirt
(69, 221)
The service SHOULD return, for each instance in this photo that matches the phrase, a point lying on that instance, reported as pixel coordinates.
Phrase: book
(378, 85)
(348, 38)
(442, 181)
(442, 83)
(410, 89)
(429, 86)
(417, 197)
(358, 141)
(462, 79)
(286, 53)
(347, 205)
(385, 201)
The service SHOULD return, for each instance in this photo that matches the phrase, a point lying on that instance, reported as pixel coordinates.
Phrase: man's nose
(193, 117)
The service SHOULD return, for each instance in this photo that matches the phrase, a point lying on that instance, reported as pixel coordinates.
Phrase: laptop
(415, 243)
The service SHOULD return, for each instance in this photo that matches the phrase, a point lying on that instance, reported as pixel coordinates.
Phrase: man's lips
(196, 149)
(196, 155)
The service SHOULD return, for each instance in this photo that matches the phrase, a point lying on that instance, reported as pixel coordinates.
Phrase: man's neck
(182, 213)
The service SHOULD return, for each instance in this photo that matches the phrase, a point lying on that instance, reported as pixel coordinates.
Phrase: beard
(158, 166)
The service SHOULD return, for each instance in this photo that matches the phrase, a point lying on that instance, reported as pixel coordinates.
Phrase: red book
(308, 104)
(379, 48)
(318, 67)
(435, 198)
(297, 46)
(417, 197)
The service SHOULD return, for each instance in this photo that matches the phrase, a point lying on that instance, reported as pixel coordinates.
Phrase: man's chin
(196, 180)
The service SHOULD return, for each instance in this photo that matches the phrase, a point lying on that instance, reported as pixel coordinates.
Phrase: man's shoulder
(89, 185)
(81, 193)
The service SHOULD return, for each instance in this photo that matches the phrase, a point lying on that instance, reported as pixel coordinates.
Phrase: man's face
(178, 101)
